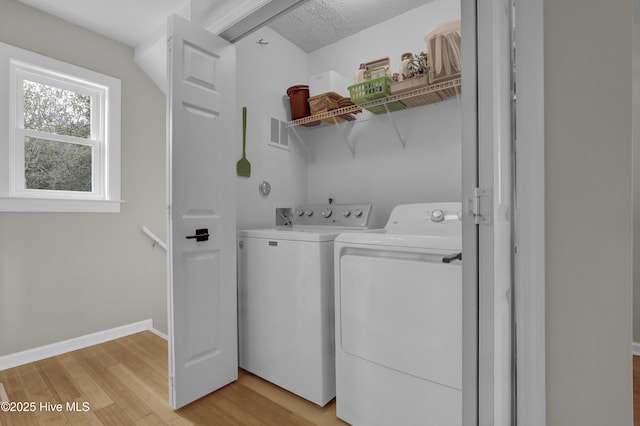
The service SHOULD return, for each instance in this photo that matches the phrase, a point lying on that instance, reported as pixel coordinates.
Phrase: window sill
(54, 205)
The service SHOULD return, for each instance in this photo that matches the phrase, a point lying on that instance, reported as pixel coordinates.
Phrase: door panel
(201, 271)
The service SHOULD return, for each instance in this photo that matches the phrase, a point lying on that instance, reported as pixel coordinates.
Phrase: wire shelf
(411, 98)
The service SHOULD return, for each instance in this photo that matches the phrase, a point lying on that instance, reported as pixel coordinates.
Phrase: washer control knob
(309, 213)
(346, 213)
(299, 212)
(357, 212)
(326, 213)
(437, 216)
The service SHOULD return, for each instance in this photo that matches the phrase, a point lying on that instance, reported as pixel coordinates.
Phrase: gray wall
(383, 171)
(263, 92)
(588, 212)
(65, 275)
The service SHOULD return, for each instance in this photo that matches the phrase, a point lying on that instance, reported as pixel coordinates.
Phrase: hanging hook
(261, 42)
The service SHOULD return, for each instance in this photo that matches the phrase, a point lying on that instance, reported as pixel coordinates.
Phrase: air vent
(278, 133)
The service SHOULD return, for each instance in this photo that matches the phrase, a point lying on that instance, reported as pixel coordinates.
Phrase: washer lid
(297, 233)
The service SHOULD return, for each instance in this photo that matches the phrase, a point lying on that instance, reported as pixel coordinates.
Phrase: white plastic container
(328, 81)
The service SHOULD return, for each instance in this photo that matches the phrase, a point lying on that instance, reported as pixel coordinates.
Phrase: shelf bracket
(304, 145)
(395, 127)
(346, 139)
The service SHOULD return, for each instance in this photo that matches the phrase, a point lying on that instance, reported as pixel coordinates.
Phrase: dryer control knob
(299, 212)
(326, 213)
(357, 212)
(346, 213)
(309, 213)
(437, 216)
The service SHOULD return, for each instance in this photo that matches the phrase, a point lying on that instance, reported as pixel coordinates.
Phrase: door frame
(480, 99)
(470, 314)
(529, 267)
(528, 229)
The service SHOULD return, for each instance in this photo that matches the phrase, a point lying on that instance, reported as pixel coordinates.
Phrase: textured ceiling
(318, 23)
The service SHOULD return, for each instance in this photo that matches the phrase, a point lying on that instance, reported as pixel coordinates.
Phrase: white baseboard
(159, 333)
(42, 352)
(635, 347)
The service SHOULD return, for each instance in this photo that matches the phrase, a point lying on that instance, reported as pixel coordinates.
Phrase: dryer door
(403, 313)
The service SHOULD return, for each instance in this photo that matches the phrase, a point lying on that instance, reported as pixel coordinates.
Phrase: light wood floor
(636, 390)
(124, 382)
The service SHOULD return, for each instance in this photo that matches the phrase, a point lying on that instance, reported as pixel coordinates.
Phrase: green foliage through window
(50, 164)
(57, 166)
(54, 110)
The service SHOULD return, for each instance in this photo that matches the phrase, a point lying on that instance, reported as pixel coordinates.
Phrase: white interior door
(201, 270)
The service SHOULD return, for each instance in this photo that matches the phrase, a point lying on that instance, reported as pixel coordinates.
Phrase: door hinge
(480, 206)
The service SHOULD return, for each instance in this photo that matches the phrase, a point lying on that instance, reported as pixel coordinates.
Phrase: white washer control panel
(336, 215)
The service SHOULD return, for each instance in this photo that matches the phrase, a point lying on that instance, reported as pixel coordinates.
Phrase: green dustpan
(243, 167)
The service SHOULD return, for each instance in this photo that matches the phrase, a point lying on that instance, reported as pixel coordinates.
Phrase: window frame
(18, 65)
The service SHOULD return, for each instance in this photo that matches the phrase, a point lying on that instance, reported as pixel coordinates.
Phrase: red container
(298, 99)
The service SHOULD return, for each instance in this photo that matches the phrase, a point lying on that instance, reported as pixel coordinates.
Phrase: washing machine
(398, 306)
(285, 298)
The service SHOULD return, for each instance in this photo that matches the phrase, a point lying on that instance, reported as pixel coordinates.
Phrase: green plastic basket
(370, 90)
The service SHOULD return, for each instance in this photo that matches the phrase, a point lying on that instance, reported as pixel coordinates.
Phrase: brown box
(409, 84)
(324, 102)
(412, 84)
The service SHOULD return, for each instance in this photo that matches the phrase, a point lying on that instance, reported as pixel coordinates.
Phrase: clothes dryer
(398, 306)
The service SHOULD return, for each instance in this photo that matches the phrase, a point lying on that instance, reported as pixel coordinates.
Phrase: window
(61, 150)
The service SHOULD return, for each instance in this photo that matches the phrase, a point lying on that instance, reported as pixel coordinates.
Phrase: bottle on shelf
(358, 77)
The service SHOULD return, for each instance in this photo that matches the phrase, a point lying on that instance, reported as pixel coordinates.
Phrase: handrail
(156, 240)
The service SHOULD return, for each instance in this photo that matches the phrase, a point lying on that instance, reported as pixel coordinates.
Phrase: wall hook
(261, 42)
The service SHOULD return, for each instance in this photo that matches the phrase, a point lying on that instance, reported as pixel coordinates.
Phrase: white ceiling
(127, 21)
(314, 24)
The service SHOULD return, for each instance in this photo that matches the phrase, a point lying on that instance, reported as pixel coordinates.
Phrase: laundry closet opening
(404, 152)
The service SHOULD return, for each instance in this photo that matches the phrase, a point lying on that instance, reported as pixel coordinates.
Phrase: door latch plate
(480, 206)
